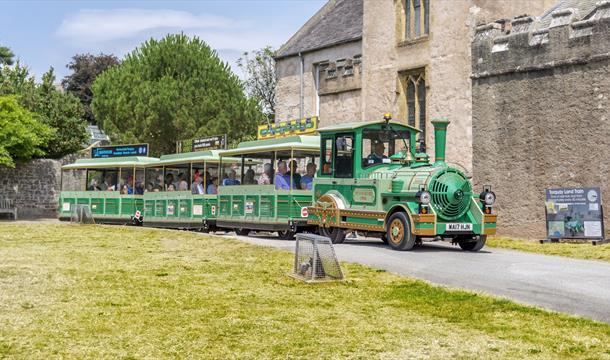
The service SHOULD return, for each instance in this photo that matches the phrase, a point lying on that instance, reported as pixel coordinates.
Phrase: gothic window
(416, 18)
(416, 101)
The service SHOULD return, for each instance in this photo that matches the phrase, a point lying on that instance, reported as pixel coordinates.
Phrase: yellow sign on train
(288, 128)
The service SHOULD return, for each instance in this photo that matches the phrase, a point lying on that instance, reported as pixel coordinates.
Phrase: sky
(49, 33)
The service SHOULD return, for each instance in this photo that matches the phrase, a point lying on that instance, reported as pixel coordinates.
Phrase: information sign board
(215, 142)
(119, 150)
(574, 213)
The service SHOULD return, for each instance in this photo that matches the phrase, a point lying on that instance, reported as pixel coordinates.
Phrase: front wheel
(473, 245)
(336, 235)
(399, 232)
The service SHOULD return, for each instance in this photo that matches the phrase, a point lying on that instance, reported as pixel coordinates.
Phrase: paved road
(579, 287)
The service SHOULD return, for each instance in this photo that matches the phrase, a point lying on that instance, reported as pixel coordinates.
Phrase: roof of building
(337, 22)
(583, 10)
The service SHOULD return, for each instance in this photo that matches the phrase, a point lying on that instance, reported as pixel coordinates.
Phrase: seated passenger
(93, 185)
(377, 156)
(129, 185)
(124, 190)
(231, 180)
(267, 175)
(197, 187)
(170, 187)
(307, 179)
(139, 189)
(107, 185)
(182, 184)
(281, 180)
(249, 177)
(169, 180)
(296, 177)
(213, 187)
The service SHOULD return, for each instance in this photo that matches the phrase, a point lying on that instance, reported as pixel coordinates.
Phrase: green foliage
(172, 89)
(6, 56)
(260, 78)
(21, 135)
(61, 111)
(85, 68)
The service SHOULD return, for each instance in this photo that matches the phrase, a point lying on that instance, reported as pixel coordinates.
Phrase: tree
(6, 56)
(21, 135)
(85, 68)
(172, 89)
(60, 111)
(260, 78)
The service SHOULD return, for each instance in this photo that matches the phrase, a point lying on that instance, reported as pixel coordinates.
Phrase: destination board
(288, 128)
(215, 142)
(119, 150)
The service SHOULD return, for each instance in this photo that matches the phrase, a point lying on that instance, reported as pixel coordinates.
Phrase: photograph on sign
(574, 213)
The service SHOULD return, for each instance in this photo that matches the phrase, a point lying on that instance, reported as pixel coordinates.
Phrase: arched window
(416, 18)
(416, 101)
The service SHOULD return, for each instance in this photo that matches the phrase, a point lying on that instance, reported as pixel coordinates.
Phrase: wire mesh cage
(81, 214)
(315, 259)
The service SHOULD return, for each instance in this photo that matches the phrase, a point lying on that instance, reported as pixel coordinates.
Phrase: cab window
(327, 157)
(379, 144)
(344, 155)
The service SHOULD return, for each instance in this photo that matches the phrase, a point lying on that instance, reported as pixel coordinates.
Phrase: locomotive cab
(374, 179)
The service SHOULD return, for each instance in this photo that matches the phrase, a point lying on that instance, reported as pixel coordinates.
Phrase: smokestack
(440, 139)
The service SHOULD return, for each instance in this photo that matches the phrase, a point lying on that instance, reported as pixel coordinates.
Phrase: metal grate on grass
(315, 259)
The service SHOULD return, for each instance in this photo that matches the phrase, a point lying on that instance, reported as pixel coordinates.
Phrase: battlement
(528, 43)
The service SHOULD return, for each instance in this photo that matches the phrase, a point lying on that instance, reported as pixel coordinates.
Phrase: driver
(377, 156)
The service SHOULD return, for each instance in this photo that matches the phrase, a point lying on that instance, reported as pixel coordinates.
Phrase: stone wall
(35, 186)
(541, 112)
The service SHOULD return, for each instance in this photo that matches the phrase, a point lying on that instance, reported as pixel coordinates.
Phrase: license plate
(458, 227)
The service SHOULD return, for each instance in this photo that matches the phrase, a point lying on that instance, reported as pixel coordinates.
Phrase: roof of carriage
(189, 157)
(306, 143)
(361, 124)
(103, 163)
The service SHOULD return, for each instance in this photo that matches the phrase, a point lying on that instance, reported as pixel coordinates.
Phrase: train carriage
(258, 196)
(181, 193)
(112, 188)
(374, 179)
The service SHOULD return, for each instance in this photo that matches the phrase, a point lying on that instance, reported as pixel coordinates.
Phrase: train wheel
(336, 235)
(399, 232)
(473, 245)
(286, 235)
(242, 232)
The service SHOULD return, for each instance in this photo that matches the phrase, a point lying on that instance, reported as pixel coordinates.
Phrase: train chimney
(440, 140)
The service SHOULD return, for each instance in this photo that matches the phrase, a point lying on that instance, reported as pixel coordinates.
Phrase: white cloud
(107, 25)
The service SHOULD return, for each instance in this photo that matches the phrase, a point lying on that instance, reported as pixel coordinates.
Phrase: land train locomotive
(372, 178)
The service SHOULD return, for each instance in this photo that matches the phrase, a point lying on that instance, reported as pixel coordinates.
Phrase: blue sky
(49, 33)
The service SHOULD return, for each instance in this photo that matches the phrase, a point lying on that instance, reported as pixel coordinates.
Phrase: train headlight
(424, 197)
(488, 197)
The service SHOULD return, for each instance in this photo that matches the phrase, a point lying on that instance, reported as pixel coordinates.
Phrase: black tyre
(384, 238)
(399, 232)
(286, 235)
(242, 232)
(473, 245)
(336, 235)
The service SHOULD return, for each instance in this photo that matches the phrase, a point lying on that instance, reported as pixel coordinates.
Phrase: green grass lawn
(69, 291)
(579, 250)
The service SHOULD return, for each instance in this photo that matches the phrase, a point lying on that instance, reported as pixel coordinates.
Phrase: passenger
(124, 190)
(296, 177)
(182, 184)
(93, 185)
(378, 154)
(249, 177)
(281, 180)
(197, 188)
(171, 187)
(129, 184)
(307, 179)
(150, 187)
(267, 175)
(107, 185)
(169, 180)
(139, 190)
(231, 180)
(213, 187)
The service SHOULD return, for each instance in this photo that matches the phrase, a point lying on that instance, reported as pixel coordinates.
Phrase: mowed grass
(578, 250)
(69, 291)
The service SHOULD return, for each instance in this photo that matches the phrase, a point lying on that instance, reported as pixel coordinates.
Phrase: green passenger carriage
(373, 179)
(257, 200)
(112, 188)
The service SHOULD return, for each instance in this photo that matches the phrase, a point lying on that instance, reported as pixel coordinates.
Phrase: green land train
(373, 179)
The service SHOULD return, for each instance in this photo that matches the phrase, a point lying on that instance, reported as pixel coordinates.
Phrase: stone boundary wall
(35, 186)
(541, 112)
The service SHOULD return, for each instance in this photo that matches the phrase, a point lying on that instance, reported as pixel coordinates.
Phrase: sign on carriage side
(214, 142)
(288, 128)
(574, 213)
(119, 150)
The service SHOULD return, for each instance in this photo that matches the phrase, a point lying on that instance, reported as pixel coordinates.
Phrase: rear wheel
(473, 245)
(336, 235)
(242, 232)
(286, 235)
(384, 238)
(399, 232)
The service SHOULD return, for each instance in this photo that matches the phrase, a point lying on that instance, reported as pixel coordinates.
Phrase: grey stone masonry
(522, 45)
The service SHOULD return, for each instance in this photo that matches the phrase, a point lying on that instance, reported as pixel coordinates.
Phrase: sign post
(574, 213)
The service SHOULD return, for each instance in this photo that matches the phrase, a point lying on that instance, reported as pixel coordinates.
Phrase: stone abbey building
(357, 59)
